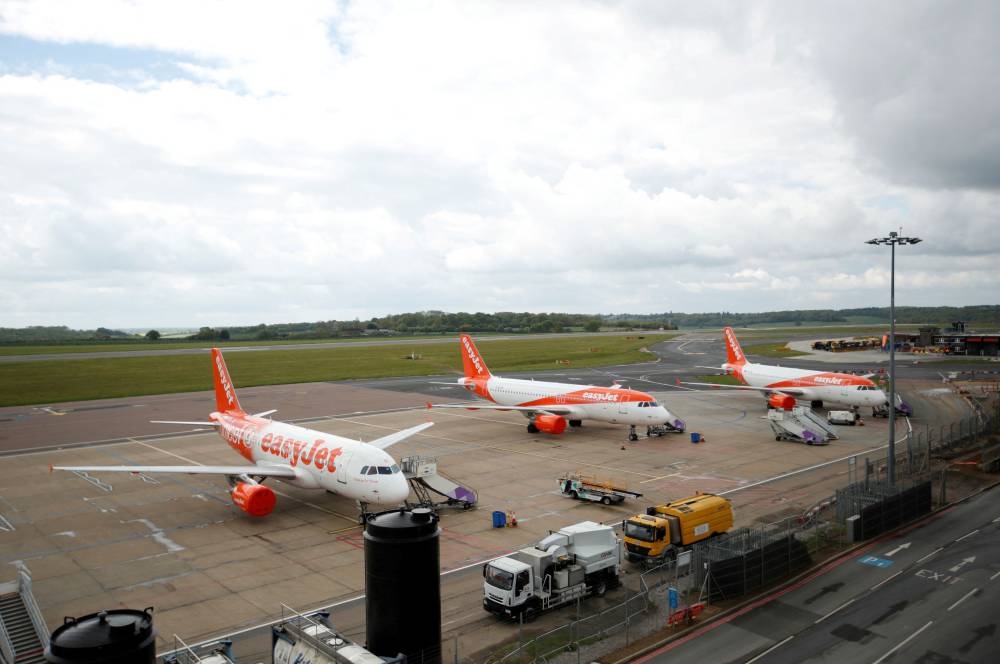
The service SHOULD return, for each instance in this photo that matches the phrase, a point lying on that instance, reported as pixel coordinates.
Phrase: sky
(229, 162)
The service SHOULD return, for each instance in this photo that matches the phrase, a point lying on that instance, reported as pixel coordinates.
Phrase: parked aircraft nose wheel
(632, 435)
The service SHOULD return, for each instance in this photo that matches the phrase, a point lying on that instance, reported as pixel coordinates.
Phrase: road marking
(905, 641)
(931, 554)
(818, 621)
(967, 535)
(899, 548)
(883, 582)
(5, 525)
(964, 597)
(994, 576)
(772, 648)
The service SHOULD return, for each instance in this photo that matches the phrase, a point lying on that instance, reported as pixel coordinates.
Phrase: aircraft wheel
(777, 437)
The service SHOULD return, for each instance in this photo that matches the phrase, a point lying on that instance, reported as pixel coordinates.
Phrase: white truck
(567, 564)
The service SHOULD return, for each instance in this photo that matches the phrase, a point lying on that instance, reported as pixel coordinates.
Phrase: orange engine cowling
(781, 401)
(550, 423)
(254, 499)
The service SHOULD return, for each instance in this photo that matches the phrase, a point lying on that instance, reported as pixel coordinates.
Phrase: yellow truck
(664, 530)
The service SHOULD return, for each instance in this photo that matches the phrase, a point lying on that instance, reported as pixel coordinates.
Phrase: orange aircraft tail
(734, 354)
(225, 393)
(472, 361)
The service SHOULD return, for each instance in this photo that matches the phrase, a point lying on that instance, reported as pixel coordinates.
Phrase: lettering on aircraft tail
(224, 379)
(734, 346)
(473, 355)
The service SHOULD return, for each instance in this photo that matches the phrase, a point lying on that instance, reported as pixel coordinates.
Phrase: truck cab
(507, 587)
(666, 529)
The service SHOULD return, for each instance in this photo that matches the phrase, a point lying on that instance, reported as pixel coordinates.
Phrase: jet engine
(549, 423)
(254, 499)
(781, 402)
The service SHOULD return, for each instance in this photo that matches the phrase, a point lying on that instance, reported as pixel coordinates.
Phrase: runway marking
(931, 554)
(964, 597)
(819, 620)
(905, 641)
(772, 648)
(887, 580)
(5, 525)
(100, 484)
(159, 535)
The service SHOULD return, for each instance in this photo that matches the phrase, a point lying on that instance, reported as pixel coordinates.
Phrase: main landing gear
(632, 435)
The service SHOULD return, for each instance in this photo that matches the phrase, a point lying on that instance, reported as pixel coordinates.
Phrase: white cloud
(329, 160)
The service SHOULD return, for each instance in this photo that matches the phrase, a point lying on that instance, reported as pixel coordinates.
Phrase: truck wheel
(600, 588)
(574, 495)
(529, 614)
(605, 500)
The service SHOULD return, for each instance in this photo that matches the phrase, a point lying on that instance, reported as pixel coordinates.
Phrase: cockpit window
(372, 470)
(394, 468)
(364, 469)
(653, 404)
(384, 470)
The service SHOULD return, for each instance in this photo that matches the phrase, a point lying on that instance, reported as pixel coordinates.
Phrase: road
(928, 594)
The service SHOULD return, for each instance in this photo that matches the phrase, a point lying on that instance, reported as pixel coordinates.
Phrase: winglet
(472, 361)
(225, 393)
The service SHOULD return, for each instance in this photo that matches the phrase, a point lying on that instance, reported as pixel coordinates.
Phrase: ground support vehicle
(665, 530)
(842, 417)
(799, 424)
(568, 564)
(663, 429)
(585, 487)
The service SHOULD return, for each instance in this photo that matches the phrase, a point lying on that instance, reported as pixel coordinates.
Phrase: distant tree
(153, 335)
(224, 335)
(592, 326)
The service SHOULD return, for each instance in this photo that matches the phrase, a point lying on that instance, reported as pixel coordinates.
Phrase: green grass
(53, 381)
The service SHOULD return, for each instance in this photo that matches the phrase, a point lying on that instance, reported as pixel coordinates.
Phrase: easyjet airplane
(550, 406)
(778, 383)
(301, 457)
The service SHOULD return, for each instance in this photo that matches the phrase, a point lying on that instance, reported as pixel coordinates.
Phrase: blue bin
(499, 519)
(695, 437)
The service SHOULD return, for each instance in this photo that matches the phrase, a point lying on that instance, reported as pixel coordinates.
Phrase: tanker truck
(665, 530)
(569, 563)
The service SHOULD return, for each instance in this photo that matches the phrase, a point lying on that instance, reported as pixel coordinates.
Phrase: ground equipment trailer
(568, 564)
(665, 530)
(598, 490)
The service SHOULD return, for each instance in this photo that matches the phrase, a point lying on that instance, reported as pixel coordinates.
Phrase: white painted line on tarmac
(819, 620)
(885, 581)
(967, 535)
(940, 548)
(964, 597)
(905, 641)
(772, 648)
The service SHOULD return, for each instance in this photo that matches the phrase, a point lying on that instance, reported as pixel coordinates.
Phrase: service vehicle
(570, 563)
(596, 489)
(665, 530)
(842, 417)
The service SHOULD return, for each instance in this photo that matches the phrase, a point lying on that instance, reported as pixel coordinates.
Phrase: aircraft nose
(394, 489)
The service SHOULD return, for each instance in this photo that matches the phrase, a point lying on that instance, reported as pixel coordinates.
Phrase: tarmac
(178, 544)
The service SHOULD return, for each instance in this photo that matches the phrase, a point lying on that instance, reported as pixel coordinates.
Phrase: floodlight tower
(892, 240)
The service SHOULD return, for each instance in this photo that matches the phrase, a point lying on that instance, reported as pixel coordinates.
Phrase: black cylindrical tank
(119, 636)
(403, 585)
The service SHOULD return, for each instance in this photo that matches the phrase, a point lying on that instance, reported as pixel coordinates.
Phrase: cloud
(230, 162)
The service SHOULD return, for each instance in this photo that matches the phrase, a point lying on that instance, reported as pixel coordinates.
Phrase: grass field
(53, 381)
(772, 350)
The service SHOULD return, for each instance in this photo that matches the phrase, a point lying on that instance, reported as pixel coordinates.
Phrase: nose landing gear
(632, 435)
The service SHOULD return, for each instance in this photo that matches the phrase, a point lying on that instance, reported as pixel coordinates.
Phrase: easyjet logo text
(473, 355)
(734, 345)
(224, 379)
(600, 396)
(297, 451)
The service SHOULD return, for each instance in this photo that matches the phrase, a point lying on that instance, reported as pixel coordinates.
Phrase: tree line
(440, 322)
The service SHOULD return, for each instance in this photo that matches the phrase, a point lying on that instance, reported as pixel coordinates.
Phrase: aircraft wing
(197, 424)
(393, 438)
(266, 471)
(551, 410)
(790, 391)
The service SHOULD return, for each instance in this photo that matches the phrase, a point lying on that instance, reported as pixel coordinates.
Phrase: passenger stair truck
(566, 565)
(665, 530)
